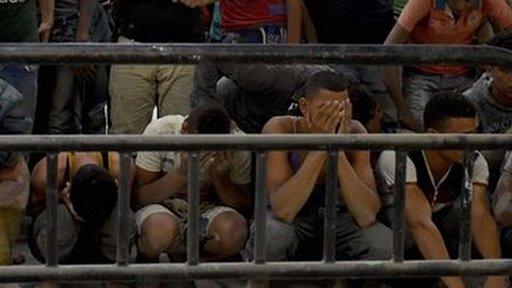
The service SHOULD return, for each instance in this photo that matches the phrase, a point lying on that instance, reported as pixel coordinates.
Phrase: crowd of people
(228, 98)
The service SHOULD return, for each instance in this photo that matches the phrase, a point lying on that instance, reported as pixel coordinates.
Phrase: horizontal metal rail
(73, 53)
(281, 270)
(262, 143)
(48, 143)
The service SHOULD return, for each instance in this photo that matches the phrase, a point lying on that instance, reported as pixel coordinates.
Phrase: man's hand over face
(327, 119)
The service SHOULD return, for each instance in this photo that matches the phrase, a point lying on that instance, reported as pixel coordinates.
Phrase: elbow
(369, 218)
(283, 214)
(366, 221)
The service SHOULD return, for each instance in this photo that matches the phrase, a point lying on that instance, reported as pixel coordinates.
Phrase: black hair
(447, 105)
(209, 119)
(93, 194)
(502, 39)
(327, 80)
(363, 106)
(9, 159)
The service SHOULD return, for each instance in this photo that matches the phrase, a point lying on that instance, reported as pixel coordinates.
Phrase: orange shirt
(428, 24)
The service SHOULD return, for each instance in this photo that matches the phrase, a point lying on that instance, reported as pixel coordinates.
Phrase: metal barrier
(329, 268)
(259, 269)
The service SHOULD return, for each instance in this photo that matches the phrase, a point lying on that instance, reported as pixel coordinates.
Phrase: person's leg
(20, 119)
(10, 222)
(133, 92)
(226, 233)
(67, 235)
(63, 97)
(355, 243)
(282, 239)
(371, 77)
(158, 229)
(109, 235)
(418, 90)
(175, 86)
(93, 103)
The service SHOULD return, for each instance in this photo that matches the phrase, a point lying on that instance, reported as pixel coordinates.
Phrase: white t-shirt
(386, 174)
(164, 161)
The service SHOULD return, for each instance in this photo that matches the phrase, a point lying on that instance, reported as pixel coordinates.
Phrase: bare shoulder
(357, 128)
(279, 125)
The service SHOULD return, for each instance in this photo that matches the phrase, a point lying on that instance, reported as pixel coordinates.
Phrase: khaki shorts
(208, 213)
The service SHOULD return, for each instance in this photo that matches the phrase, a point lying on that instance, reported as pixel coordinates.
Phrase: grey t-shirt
(494, 117)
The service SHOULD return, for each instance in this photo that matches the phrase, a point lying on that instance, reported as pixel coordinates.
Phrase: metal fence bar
(52, 198)
(252, 53)
(330, 207)
(193, 209)
(399, 207)
(260, 209)
(273, 270)
(465, 208)
(123, 210)
(124, 143)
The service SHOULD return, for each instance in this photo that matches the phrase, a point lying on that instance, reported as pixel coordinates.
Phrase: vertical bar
(260, 208)
(465, 208)
(52, 199)
(123, 210)
(399, 203)
(193, 210)
(330, 208)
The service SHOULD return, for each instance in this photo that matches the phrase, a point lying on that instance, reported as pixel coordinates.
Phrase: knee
(379, 241)
(280, 239)
(230, 230)
(5, 250)
(157, 235)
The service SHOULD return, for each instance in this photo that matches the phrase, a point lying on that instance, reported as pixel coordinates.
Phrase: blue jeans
(20, 118)
(302, 239)
(370, 77)
(78, 106)
(420, 88)
(267, 34)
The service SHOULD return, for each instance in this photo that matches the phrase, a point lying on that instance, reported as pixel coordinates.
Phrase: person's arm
(357, 185)
(426, 234)
(14, 186)
(153, 187)
(37, 198)
(502, 200)
(84, 21)
(47, 7)
(235, 196)
(309, 27)
(413, 12)
(393, 80)
(294, 14)
(116, 169)
(289, 192)
(485, 232)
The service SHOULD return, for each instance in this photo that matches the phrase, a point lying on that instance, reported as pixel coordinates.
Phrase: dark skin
(501, 87)
(418, 210)
(327, 112)
(37, 201)
(393, 74)
(84, 24)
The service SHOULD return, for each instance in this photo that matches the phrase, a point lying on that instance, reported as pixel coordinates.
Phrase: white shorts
(146, 211)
